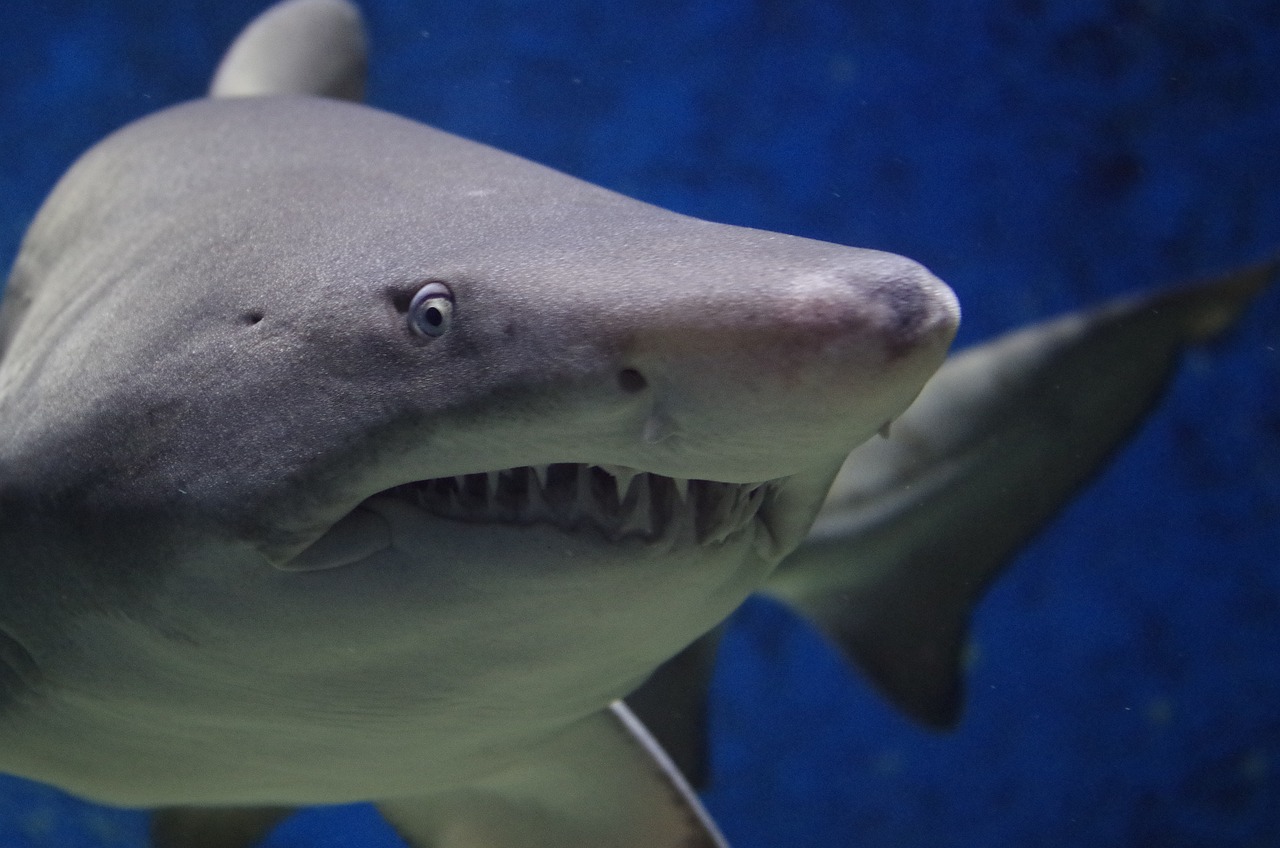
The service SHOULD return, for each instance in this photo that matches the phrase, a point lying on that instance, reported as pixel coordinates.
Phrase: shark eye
(431, 310)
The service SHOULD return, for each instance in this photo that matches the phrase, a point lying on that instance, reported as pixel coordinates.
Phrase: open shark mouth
(618, 502)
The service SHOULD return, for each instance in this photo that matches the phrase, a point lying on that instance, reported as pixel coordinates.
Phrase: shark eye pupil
(431, 310)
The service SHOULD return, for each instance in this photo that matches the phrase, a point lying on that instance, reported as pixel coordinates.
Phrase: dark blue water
(1038, 155)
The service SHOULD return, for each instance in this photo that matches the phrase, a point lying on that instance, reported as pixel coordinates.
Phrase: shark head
(316, 403)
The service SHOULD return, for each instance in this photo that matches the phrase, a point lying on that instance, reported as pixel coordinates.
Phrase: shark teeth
(618, 502)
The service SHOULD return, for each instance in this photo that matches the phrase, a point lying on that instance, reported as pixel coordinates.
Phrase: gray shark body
(345, 459)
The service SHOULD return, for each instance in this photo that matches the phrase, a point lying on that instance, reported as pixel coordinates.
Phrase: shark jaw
(598, 505)
(616, 502)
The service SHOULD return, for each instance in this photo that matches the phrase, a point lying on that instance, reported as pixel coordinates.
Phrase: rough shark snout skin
(816, 360)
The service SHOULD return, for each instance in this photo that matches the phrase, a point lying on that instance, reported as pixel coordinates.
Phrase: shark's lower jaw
(619, 503)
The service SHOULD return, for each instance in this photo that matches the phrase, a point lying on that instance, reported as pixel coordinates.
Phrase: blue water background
(1039, 155)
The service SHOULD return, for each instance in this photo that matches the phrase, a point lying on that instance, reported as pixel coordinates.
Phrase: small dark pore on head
(402, 297)
(253, 316)
(631, 381)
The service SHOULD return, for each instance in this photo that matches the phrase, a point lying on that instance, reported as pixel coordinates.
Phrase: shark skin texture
(600, 778)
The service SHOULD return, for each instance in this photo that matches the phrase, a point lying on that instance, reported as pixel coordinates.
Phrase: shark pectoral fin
(918, 524)
(602, 784)
(672, 704)
(214, 827)
(357, 536)
(316, 47)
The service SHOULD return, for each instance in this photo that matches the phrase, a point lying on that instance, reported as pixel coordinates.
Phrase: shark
(345, 459)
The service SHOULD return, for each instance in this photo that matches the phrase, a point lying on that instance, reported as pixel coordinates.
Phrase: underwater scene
(1121, 678)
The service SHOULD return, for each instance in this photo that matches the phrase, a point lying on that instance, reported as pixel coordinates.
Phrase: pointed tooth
(606, 497)
(541, 472)
(538, 509)
(704, 501)
(724, 499)
(623, 475)
(637, 515)
(511, 493)
(624, 490)
(736, 497)
(752, 498)
(682, 489)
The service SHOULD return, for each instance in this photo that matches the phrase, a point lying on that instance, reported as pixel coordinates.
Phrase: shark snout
(909, 310)
(797, 371)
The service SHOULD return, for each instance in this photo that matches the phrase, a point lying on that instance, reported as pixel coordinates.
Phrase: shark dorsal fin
(315, 47)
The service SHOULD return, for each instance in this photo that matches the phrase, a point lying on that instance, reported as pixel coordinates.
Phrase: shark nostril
(631, 381)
